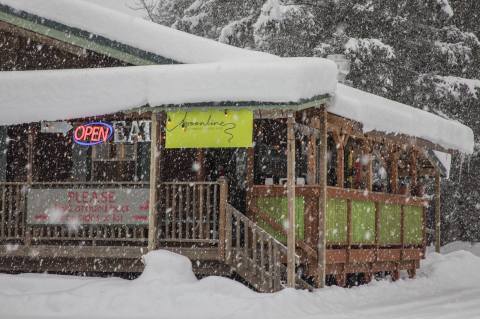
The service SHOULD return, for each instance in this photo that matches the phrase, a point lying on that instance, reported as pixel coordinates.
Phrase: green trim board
(277, 209)
(413, 225)
(303, 104)
(363, 222)
(80, 38)
(390, 224)
(336, 221)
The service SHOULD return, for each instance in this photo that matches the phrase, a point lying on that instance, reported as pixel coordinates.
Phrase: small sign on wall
(112, 206)
(209, 129)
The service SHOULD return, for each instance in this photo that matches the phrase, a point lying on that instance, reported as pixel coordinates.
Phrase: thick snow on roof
(260, 77)
(134, 31)
(380, 114)
(130, 7)
(51, 95)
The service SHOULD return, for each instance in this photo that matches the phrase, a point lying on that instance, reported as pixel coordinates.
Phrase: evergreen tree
(419, 52)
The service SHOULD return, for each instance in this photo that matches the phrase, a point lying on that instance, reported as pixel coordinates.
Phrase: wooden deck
(195, 220)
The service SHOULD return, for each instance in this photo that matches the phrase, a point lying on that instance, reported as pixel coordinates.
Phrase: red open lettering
(93, 133)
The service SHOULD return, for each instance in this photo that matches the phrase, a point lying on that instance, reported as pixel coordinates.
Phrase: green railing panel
(277, 209)
(363, 222)
(390, 224)
(413, 225)
(336, 222)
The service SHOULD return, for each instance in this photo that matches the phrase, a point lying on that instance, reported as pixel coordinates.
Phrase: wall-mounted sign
(76, 207)
(92, 133)
(55, 127)
(209, 129)
(128, 132)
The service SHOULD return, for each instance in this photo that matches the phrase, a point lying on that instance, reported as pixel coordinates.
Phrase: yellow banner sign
(209, 129)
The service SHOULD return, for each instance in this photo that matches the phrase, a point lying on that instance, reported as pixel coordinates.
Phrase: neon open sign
(92, 133)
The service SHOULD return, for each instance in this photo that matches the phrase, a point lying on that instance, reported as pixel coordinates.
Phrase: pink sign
(88, 206)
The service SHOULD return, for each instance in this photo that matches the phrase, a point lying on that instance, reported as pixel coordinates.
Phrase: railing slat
(200, 206)
(174, 211)
(168, 211)
(188, 213)
(208, 207)
(2, 228)
(194, 211)
(180, 214)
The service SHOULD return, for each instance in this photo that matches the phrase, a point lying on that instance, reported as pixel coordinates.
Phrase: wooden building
(306, 195)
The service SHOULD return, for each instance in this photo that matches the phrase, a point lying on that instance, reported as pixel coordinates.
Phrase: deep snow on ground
(447, 286)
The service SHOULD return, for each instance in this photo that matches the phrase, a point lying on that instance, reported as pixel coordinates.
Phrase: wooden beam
(394, 156)
(30, 162)
(37, 37)
(249, 181)
(291, 201)
(340, 141)
(413, 169)
(367, 152)
(222, 235)
(155, 156)
(30, 152)
(322, 200)
(200, 158)
(312, 160)
(437, 212)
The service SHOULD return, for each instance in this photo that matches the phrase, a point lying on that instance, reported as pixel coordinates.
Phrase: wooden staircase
(255, 255)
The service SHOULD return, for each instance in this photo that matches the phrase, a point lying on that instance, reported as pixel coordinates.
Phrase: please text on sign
(88, 206)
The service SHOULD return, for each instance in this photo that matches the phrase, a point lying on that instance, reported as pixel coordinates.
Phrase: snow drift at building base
(447, 286)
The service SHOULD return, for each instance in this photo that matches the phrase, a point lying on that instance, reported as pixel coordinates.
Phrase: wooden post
(312, 160)
(322, 200)
(291, 201)
(155, 150)
(349, 229)
(222, 216)
(200, 158)
(340, 141)
(30, 152)
(249, 181)
(413, 171)
(437, 212)
(367, 151)
(394, 171)
(228, 235)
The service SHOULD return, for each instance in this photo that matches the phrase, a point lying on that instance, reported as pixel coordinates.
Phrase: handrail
(357, 194)
(338, 192)
(253, 252)
(121, 183)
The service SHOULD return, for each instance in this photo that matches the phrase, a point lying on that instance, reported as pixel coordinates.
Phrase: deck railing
(255, 254)
(12, 211)
(14, 226)
(188, 212)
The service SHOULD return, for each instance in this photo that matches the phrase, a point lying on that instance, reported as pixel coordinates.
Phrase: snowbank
(380, 114)
(448, 286)
(473, 248)
(134, 31)
(50, 95)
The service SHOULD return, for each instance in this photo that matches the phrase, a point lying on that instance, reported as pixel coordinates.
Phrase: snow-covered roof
(128, 30)
(62, 94)
(218, 73)
(379, 114)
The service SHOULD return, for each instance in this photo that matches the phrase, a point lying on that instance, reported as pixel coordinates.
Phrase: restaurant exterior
(290, 192)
